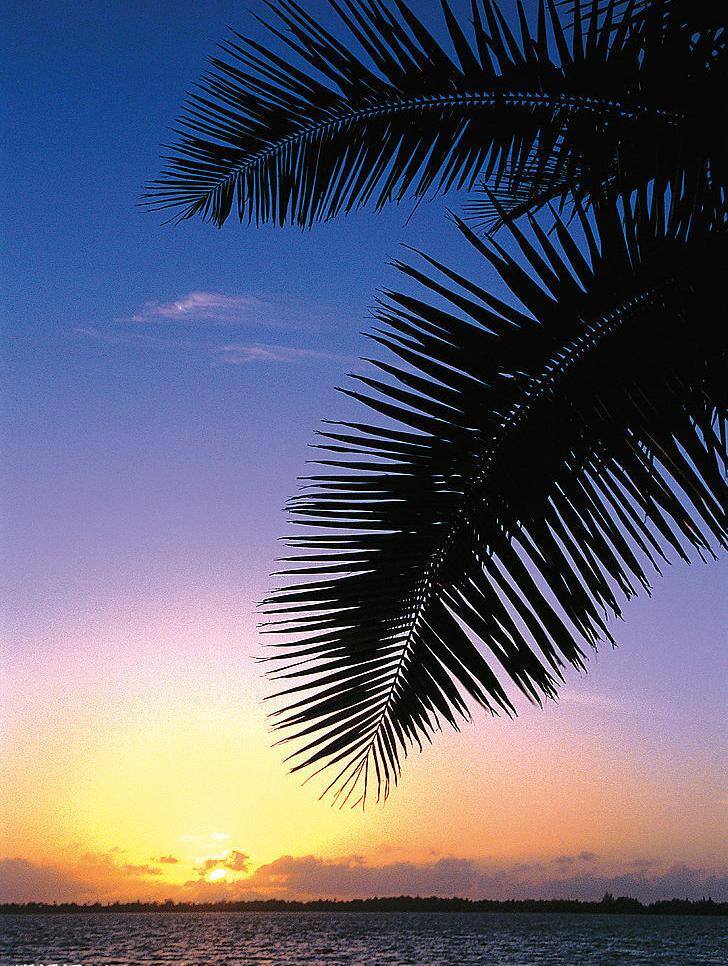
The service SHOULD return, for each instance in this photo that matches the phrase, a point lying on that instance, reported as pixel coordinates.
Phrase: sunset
(150, 774)
(170, 378)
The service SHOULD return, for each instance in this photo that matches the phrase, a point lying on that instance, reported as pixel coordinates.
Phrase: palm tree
(529, 462)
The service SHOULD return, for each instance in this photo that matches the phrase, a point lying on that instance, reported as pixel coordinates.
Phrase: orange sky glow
(139, 774)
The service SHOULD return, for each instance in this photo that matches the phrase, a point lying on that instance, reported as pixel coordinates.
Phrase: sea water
(387, 938)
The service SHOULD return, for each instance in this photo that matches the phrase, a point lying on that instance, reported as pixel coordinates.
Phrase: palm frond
(493, 205)
(695, 15)
(526, 465)
(407, 114)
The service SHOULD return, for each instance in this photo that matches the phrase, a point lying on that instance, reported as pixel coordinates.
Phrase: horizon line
(608, 904)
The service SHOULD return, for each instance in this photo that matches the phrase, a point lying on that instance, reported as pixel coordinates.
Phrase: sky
(161, 386)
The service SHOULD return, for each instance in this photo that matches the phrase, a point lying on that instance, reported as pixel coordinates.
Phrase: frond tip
(531, 468)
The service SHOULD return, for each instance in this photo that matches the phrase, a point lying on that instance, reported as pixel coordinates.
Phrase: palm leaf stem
(556, 104)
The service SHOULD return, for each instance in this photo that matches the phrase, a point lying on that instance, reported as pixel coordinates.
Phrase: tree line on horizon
(522, 464)
(608, 904)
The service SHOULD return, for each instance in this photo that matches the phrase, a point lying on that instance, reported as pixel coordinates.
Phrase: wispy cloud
(172, 326)
(242, 354)
(235, 354)
(209, 309)
(205, 307)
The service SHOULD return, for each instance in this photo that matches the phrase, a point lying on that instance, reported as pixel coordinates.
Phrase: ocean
(389, 939)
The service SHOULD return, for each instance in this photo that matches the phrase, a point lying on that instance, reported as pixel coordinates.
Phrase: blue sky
(98, 403)
(92, 91)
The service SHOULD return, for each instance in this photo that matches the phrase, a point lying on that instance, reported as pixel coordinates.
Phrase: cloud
(677, 881)
(166, 860)
(642, 865)
(233, 354)
(207, 866)
(204, 307)
(24, 881)
(233, 861)
(129, 869)
(218, 308)
(237, 861)
(88, 876)
(108, 865)
(105, 876)
(312, 877)
(528, 867)
(241, 354)
(568, 860)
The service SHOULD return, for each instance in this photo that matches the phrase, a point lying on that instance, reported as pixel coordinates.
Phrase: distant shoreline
(623, 905)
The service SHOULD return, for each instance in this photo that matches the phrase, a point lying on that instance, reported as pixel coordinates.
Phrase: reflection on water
(378, 938)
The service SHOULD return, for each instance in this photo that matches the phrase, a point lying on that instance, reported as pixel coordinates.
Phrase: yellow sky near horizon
(137, 743)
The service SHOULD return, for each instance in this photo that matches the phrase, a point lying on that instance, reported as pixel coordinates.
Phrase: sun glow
(216, 875)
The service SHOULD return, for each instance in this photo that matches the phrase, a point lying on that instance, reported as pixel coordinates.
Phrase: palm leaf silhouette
(536, 464)
(525, 465)
(285, 143)
(695, 14)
